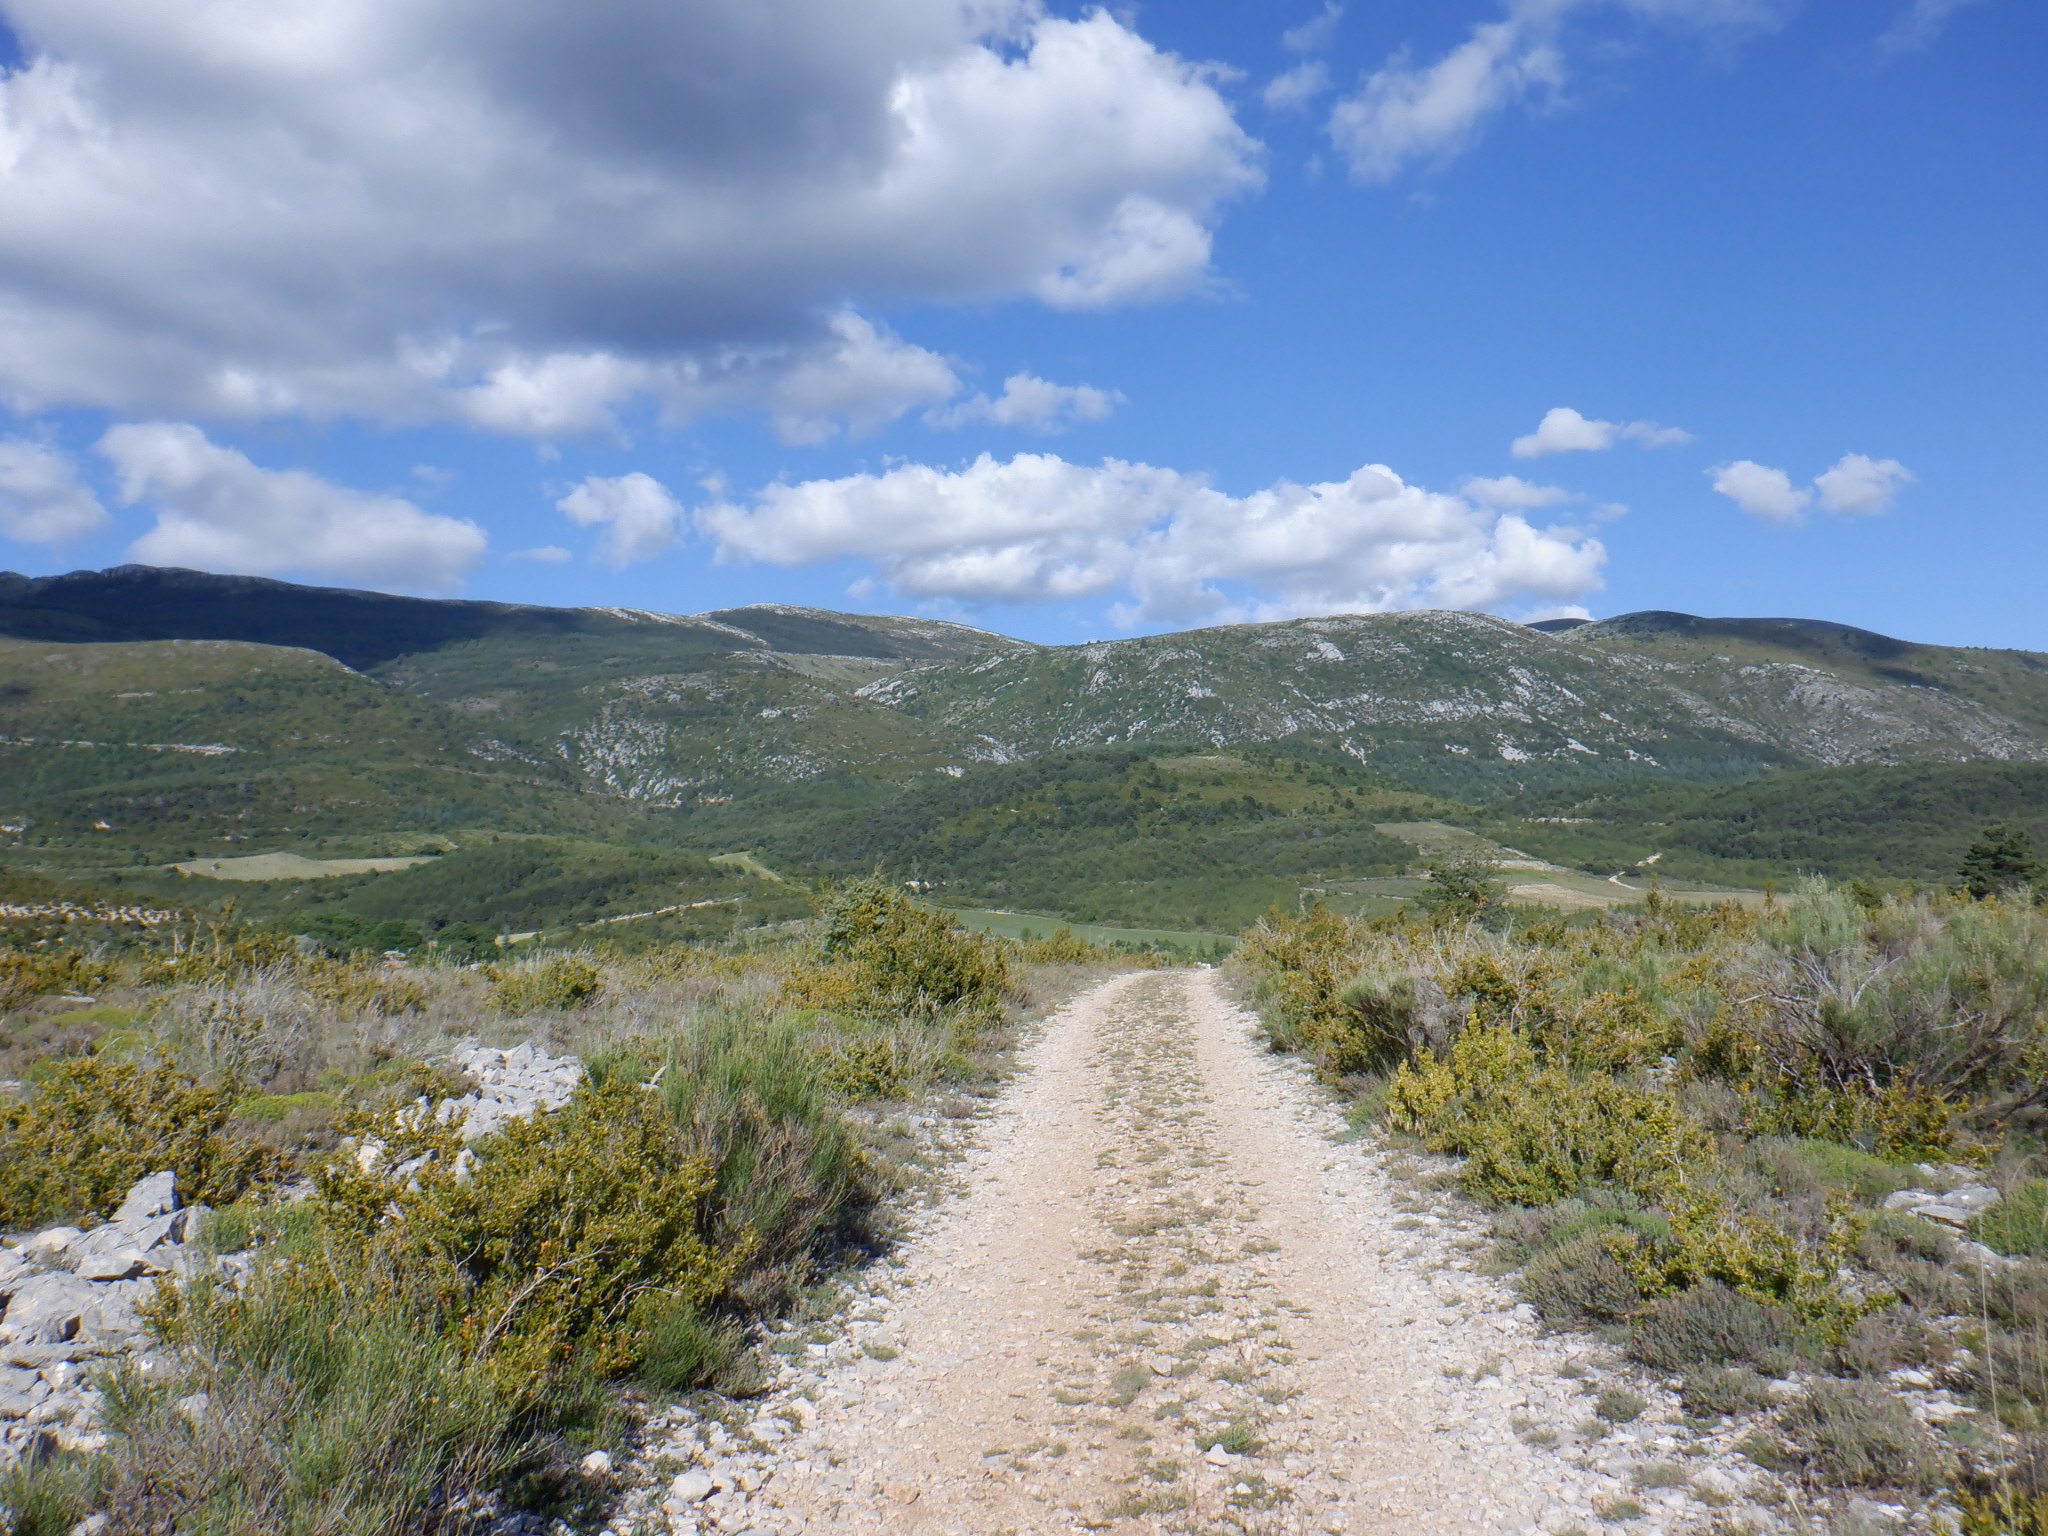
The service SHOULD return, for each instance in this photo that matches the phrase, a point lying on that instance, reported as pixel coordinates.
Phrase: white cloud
(1919, 25)
(42, 500)
(546, 554)
(638, 515)
(1032, 403)
(1297, 87)
(524, 216)
(1037, 528)
(1761, 490)
(1513, 493)
(1858, 486)
(1564, 430)
(217, 511)
(1404, 113)
(1315, 34)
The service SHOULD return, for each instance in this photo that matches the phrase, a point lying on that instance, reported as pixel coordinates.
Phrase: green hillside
(1907, 823)
(1185, 781)
(1187, 840)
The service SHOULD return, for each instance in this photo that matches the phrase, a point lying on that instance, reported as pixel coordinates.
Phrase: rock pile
(72, 1300)
(511, 1085)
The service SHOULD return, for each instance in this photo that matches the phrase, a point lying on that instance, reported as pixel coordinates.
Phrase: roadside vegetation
(406, 1332)
(1696, 1128)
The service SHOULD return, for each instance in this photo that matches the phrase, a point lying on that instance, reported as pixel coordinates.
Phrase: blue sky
(387, 296)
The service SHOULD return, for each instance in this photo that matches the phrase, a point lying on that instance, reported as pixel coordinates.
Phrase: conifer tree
(2000, 859)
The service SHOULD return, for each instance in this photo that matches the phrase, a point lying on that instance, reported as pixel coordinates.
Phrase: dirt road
(1169, 1301)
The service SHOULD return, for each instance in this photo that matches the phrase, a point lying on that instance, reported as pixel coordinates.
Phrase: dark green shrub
(1712, 1325)
(94, 1127)
(1619, 1405)
(1855, 1434)
(560, 985)
(754, 1098)
(1579, 1282)
(2018, 1224)
(1715, 1390)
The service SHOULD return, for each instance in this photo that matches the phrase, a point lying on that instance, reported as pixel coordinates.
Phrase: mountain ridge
(673, 709)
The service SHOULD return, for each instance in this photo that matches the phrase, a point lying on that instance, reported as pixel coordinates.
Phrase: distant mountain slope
(1470, 703)
(677, 710)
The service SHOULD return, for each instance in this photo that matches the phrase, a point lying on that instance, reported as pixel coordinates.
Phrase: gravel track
(1168, 1299)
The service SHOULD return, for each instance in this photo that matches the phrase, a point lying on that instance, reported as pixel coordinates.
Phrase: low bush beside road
(422, 1289)
(1787, 1158)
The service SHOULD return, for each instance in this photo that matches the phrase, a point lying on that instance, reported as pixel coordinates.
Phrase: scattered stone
(596, 1464)
(157, 1195)
(692, 1487)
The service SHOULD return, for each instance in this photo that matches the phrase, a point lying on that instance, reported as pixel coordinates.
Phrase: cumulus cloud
(1858, 486)
(1761, 490)
(1407, 112)
(42, 500)
(1294, 89)
(1032, 403)
(1315, 34)
(523, 215)
(1919, 25)
(1564, 430)
(1037, 528)
(217, 511)
(1513, 492)
(638, 515)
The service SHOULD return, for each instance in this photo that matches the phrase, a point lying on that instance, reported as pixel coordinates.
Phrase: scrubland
(1697, 1130)
(404, 1333)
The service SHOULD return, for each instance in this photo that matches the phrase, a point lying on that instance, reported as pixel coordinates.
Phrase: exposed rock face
(72, 1306)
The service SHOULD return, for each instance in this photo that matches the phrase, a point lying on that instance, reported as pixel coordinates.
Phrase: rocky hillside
(677, 710)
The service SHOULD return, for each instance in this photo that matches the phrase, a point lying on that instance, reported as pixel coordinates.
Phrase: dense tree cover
(1875, 822)
(1183, 839)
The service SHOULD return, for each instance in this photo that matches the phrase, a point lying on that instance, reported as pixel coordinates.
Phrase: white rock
(596, 1464)
(692, 1487)
(156, 1195)
(50, 1242)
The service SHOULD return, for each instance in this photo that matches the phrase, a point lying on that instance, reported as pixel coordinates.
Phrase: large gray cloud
(521, 213)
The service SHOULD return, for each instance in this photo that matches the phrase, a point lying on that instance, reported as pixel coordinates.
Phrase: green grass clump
(1712, 1390)
(1580, 1281)
(1712, 1325)
(1856, 1434)
(2018, 1224)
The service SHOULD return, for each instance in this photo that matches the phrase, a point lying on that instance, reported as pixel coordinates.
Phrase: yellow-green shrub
(559, 985)
(565, 1233)
(880, 955)
(1532, 1134)
(93, 1127)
